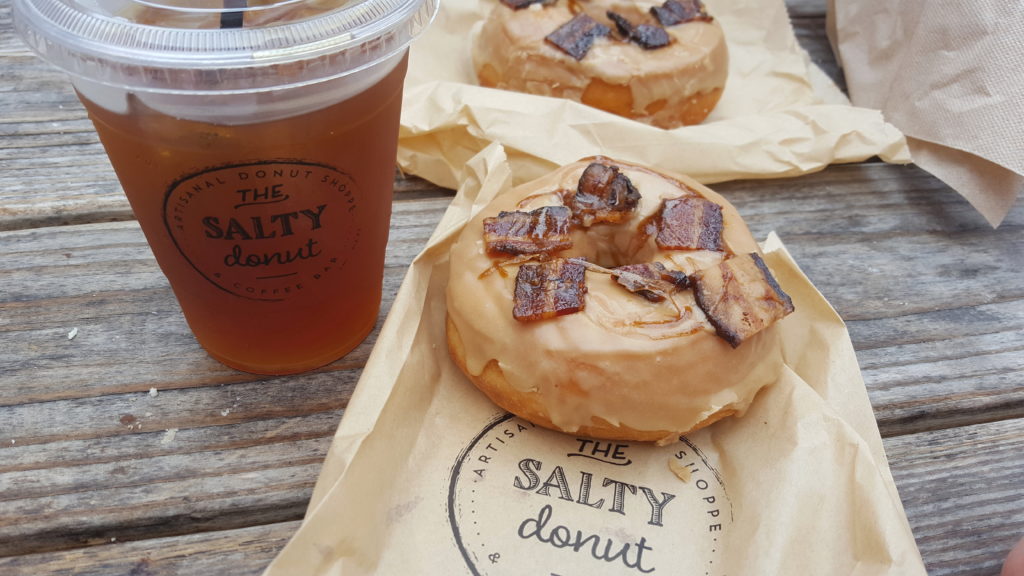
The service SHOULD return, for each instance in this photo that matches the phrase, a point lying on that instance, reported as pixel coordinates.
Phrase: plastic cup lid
(218, 45)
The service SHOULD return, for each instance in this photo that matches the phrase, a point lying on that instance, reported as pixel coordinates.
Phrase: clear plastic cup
(256, 143)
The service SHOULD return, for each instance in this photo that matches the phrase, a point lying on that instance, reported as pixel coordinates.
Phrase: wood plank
(245, 551)
(810, 34)
(9, 43)
(182, 506)
(961, 527)
(807, 8)
(859, 230)
(53, 169)
(962, 492)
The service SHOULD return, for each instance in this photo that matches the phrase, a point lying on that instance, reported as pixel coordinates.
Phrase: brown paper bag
(779, 115)
(948, 74)
(426, 476)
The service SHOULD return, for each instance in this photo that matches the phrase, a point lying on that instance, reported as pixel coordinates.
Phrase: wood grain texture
(239, 552)
(806, 8)
(126, 450)
(883, 243)
(963, 524)
(52, 167)
(88, 452)
(931, 295)
(962, 489)
(808, 31)
(102, 280)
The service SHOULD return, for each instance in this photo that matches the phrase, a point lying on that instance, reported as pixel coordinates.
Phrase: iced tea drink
(266, 203)
(272, 234)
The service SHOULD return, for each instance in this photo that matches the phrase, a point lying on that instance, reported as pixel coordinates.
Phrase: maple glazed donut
(662, 64)
(680, 335)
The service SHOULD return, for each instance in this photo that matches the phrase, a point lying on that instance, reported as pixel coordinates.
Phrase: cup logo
(264, 230)
(523, 499)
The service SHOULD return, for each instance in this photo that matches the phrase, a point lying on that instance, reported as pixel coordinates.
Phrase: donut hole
(610, 252)
(612, 307)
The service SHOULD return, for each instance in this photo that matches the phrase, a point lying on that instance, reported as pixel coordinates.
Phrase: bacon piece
(549, 289)
(674, 12)
(624, 26)
(650, 280)
(543, 230)
(603, 195)
(689, 223)
(576, 36)
(740, 297)
(650, 37)
(520, 4)
(646, 36)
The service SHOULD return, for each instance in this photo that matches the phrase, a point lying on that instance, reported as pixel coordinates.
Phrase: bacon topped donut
(664, 63)
(613, 301)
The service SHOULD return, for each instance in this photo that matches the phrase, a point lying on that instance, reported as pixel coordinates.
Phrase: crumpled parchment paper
(426, 476)
(779, 115)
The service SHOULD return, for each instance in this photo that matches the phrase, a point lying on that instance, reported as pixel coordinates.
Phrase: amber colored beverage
(272, 234)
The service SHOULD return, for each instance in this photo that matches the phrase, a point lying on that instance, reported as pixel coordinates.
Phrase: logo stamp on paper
(523, 499)
(264, 230)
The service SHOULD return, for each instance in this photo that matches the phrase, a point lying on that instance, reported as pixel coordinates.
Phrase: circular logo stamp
(264, 230)
(526, 500)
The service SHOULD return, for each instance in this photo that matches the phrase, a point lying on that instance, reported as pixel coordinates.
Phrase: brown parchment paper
(779, 115)
(426, 476)
(950, 75)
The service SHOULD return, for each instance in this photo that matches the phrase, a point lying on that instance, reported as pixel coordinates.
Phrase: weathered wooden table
(126, 450)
